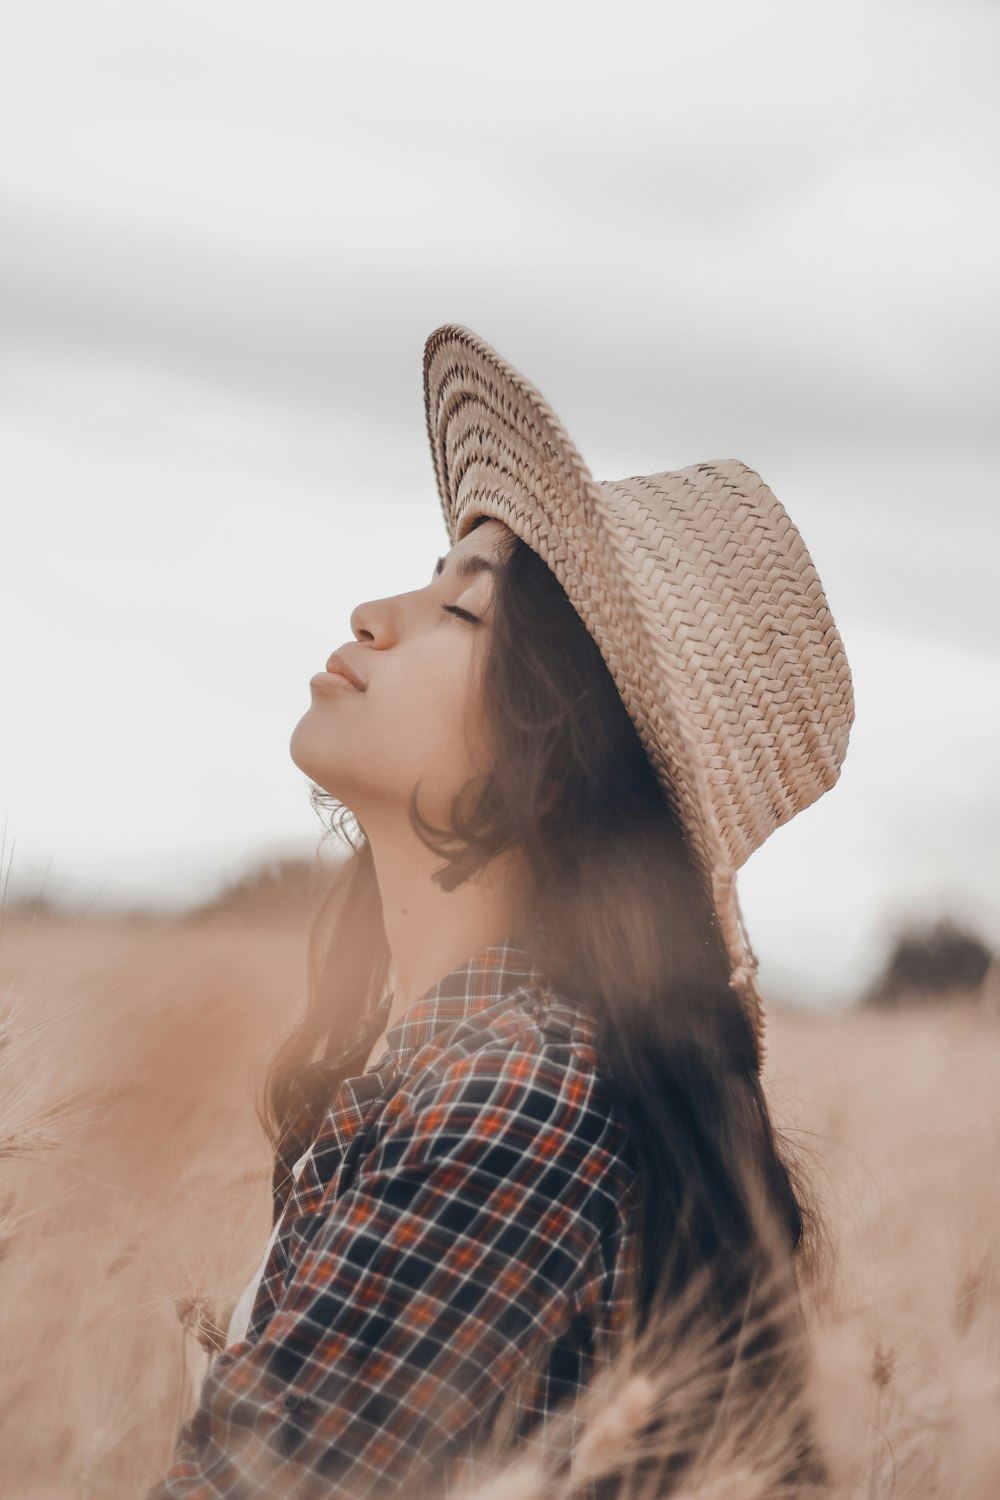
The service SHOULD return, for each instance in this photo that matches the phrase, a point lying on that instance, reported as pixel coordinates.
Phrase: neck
(430, 931)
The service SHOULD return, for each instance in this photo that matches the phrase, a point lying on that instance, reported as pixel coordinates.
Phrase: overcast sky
(750, 230)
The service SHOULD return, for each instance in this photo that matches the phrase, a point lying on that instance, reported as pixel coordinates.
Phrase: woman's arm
(425, 1290)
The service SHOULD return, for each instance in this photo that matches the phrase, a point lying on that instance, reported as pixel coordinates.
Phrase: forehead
(480, 551)
(487, 535)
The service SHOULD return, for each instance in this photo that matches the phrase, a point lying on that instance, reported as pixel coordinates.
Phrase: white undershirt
(240, 1318)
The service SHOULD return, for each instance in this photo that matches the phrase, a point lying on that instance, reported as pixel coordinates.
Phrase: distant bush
(930, 962)
(31, 904)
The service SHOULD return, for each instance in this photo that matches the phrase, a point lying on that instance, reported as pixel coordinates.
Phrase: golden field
(134, 1205)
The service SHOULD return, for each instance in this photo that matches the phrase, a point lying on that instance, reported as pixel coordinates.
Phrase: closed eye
(463, 614)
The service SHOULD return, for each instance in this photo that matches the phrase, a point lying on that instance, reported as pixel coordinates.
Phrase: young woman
(523, 1116)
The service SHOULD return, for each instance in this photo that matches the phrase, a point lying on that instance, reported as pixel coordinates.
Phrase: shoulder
(525, 1070)
(530, 1036)
(529, 1020)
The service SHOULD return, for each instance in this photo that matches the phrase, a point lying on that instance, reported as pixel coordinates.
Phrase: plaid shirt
(462, 1228)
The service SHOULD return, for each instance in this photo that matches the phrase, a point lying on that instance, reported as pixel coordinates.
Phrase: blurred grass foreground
(134, 1202)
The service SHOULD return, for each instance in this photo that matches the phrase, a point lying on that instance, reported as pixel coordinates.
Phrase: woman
(523, 1116)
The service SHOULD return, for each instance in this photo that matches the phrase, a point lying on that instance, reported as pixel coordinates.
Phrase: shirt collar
(485, 979)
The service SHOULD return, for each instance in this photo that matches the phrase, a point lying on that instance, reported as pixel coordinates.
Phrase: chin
(311, 753)
(304, 749)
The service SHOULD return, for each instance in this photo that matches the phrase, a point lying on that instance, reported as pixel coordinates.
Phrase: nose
(374, 621)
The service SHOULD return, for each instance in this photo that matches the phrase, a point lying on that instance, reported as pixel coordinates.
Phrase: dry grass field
(134, 1205)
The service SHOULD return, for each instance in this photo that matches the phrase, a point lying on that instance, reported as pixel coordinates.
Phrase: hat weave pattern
(699, 593)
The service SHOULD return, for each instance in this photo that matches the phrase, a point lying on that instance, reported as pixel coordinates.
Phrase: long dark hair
(621, 923)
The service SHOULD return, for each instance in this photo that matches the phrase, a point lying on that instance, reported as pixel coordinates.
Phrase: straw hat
(699, 592)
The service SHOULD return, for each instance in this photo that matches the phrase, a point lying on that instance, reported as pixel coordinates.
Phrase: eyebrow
(468, 565)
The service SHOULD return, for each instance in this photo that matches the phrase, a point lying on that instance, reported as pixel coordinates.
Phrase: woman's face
(416, 716)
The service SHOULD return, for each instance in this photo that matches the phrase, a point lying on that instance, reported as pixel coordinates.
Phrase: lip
(332, 679)
(339, 670)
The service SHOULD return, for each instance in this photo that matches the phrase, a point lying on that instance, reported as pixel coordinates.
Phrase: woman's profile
(523, 1114)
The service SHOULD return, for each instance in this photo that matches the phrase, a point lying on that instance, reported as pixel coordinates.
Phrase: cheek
(431, 712)
(441, 722)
